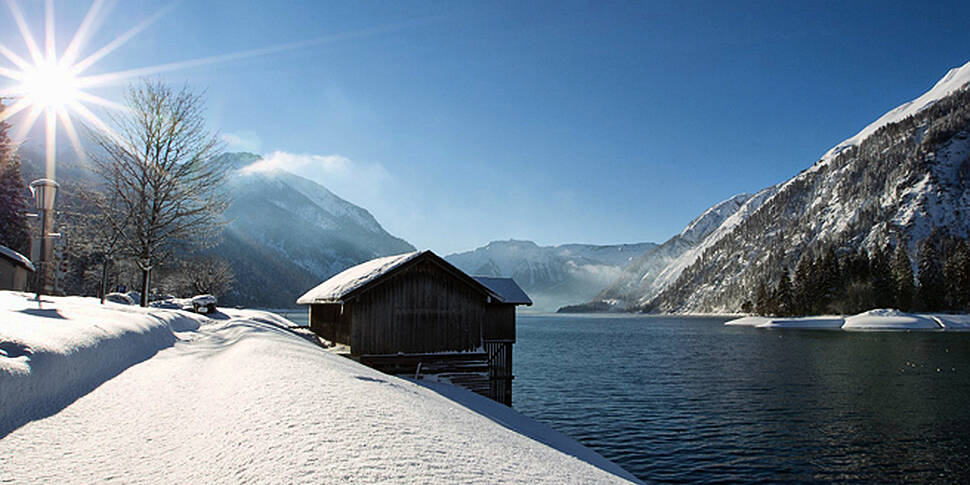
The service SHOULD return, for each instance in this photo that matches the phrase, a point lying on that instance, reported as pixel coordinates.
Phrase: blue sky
(457, 123)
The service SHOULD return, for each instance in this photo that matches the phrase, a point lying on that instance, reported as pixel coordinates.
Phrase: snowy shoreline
(148, 395)
(880, 320)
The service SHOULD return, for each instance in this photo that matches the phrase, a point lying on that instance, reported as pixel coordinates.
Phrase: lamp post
(44, 191)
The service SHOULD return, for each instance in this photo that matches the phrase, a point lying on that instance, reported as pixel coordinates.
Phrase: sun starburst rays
(28, 37)
(69, 130)
(81, 36)
(54, 86)
(81, 66)
(49, 31)
(50, 86)
(32, 115)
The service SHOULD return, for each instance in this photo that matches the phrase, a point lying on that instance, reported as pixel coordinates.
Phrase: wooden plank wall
(464, 369)
(500, 371)
(331, 322)
(500, 322)
(419, 310)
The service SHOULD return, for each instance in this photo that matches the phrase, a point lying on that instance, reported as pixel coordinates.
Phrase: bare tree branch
(165, 171)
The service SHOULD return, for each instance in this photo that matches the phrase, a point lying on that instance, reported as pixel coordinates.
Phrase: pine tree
(803, 285)
(747, 307)
(783, 294)
(854, 292)
(14, 232)
(951, 276)
(932, 289)
(762, 300)
(883, 284)
(830, 280)
(903, 274)
(961, 287)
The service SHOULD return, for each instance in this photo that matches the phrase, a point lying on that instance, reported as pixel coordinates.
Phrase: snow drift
(889, 320)
(56, 351)
(240, 398)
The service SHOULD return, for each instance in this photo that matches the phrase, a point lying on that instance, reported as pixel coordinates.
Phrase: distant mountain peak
(552, 275)
(287, 233)
(240, 160)
(512, 243)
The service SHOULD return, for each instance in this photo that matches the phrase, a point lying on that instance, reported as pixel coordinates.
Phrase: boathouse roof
(510, 292)
(355, 280)
(16, 258)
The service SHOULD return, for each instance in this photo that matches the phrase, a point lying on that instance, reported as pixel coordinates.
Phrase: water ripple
(687, 399)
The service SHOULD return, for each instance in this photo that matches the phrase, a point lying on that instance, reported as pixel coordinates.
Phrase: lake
(687, 399)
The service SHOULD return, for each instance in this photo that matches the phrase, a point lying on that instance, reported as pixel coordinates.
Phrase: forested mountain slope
(903, 179)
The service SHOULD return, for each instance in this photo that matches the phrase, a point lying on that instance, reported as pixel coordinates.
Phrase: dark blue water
(686, 399)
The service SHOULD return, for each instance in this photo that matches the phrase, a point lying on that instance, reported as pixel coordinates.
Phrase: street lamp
(44, 191)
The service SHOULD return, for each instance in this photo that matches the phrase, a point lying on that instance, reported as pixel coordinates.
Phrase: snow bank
(953, 322)
(877, 320)
(889, 320)
(243, 399)
(806, 323)
(58, 350)
(751, 321)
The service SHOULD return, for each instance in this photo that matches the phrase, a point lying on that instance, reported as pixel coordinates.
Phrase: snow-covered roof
(343, 284)
(350, 279)
(505, 288)
(16, 257)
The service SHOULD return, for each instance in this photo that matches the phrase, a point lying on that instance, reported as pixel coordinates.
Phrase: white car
(201, 304)
(119, 298)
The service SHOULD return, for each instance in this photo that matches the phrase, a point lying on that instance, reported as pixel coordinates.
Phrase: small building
(417, 314)
(14, 269)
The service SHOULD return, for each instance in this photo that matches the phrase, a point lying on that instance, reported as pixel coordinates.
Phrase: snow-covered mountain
(286, 234)
(552, 275)
(902, 178)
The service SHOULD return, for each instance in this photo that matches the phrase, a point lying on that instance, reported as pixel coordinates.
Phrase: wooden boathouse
(418, 315)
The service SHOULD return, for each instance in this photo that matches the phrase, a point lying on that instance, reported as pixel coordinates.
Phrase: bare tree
(203, 274)
(163, 166)
(104, 231)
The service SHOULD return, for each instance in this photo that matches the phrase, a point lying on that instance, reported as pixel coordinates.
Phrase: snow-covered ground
(113, 392)
(813, 322)
(872, 320)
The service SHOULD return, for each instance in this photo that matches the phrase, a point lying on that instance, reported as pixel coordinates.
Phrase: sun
(50, 86)
(57, 85)
(48, 83)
